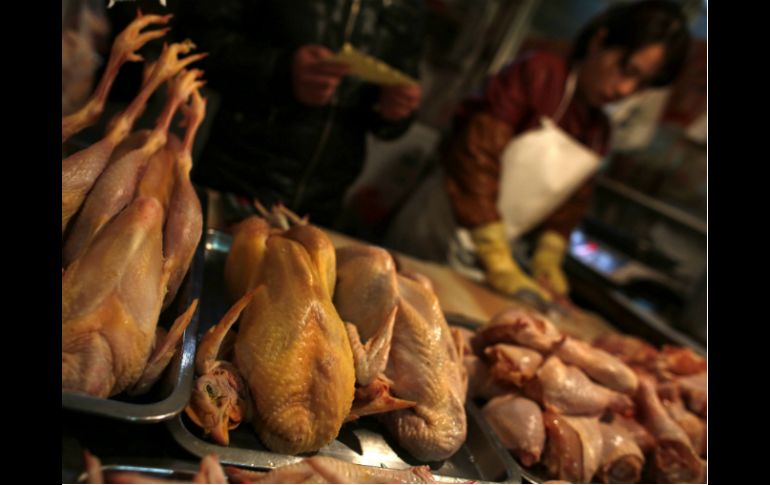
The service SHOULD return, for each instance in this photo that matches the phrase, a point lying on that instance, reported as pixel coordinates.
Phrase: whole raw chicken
(291, 349)
(424, 364)
(111, 301)
(113, 291)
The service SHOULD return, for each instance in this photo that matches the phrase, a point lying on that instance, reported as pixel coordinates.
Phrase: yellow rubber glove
(503, 274)
(547, 262)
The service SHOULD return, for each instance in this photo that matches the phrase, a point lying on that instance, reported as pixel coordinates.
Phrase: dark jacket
(513, 102)
(264, 143)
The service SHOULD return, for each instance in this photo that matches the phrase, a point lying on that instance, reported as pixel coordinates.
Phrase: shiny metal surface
(365, 442)
(164, 469)
(171, 393)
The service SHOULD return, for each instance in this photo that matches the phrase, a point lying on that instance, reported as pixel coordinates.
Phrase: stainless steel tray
(482, 458)
(167, 469)
(170, 394)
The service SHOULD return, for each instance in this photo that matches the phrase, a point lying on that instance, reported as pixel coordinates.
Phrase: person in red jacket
(627, 48)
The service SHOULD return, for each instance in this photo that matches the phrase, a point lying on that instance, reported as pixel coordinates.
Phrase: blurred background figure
(84, 35)
(291, 126)
(478, 201)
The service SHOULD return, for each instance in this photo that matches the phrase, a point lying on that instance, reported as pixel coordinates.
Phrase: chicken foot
(123, 50)
(81, 169)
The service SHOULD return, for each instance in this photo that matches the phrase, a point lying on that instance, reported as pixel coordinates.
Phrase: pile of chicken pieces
(616, 411)
(131, 222)
(326, 336)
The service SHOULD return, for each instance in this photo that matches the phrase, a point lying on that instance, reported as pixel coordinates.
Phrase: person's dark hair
(632, 26)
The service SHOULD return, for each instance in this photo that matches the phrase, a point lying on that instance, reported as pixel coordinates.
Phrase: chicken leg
(674, 459)
(123, 50)
(81, 169)
(566, 389)
(117, 184)
(185, 217)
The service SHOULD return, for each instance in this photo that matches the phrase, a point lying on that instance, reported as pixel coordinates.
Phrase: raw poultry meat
(674, 460)
(209, 471)
(315, 469)
(678, 361)
(603, 367)
(464, 340)
(512, 364)
(123, 50)
(81, 169)
(111, 301)
(520, 327)
(622, 459)
(322, 469)
(291, 348)
(518, 422)
(631, 350)
(184, 224)
(639, 433)
(424, 364)
(690, 423)
(566, 389)
(481, 384)
(662, 429)
(693, 389)
(574, 447)
(116, 186)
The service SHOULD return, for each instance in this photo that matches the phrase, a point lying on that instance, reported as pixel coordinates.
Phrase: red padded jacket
(513, 102)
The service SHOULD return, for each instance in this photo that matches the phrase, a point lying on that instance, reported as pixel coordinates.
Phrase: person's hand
(314, 80)
(503, 274)
(399, 101)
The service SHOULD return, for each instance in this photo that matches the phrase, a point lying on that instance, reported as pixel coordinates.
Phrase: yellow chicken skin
(291, 350)
(111, 300)
(423, 365)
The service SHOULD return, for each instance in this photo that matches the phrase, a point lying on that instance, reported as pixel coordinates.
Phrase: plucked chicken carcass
(294, 371)
(112, 293)
(111, 301)
(117, 185)
(424, 364)
(123, 50)
(518, 423)
(81, 169)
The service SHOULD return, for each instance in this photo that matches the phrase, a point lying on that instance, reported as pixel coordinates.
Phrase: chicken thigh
(518, 423)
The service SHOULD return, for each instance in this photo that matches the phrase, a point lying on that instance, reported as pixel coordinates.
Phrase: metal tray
(171, 393)
(482, 458)
(167, 469)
